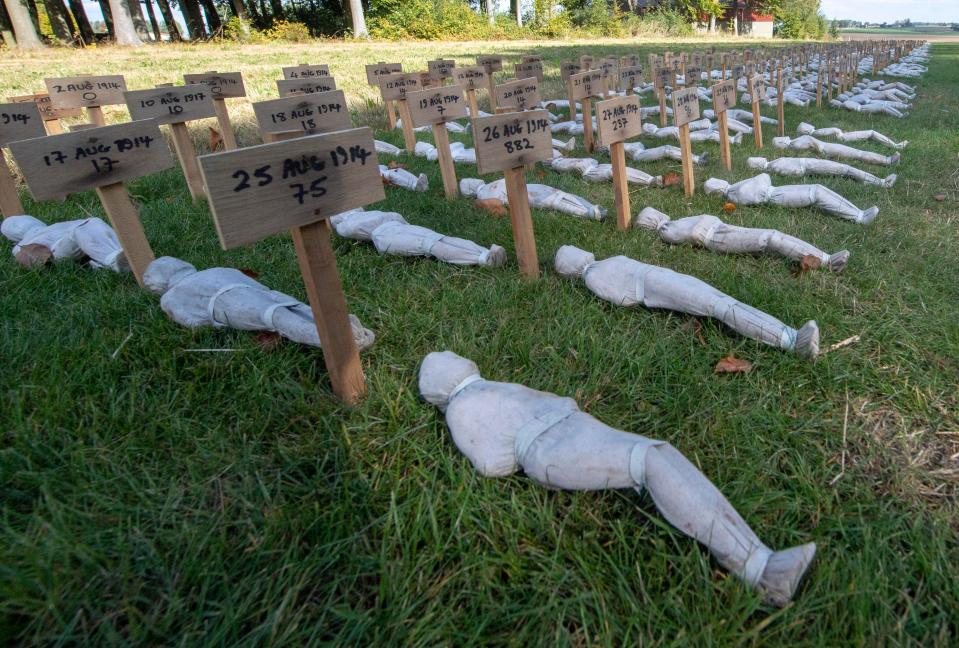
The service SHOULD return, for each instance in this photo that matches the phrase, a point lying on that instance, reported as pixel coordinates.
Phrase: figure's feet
(837, 262)
(422, 183)
(807, 340)
(903, 144)
(570, 145)
(783, 573)
(497, 256)
(894, 159)
(890, 180)
(869, 215)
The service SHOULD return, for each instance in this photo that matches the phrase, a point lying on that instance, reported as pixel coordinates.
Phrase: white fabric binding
(466, 382)
(540, 423)
(210, 305)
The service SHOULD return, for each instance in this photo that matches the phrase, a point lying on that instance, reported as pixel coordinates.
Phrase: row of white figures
(463, 155)
(759, 190)
(493, 197)
(503, 428)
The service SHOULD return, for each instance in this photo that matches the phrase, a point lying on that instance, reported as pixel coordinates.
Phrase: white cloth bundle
(391, 234)
(458, 151)
(540, 196)
(451, 126)
(88, 237)
(626, 282)
(506, 427)
(873, 107)
(712, 233)
(759, 191)
(737, 126)
(833, 150)
(851, 136)
(385, 148)
(593, 171)
(798, 167)
(227, 298)
(637, 152)
(402, 178)
(702, 135)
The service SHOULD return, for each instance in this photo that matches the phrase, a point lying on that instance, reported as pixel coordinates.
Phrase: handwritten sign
(171, 104)
(757, 88)
(374, 72)
(685, 106)
(45, 106)
(587, 84)
(633, 60)
(306, 71)
(440, 68)
(19, 121)
(491, 63)
(86, 91)
(739, 71)
(261, 190)
(435, 106)
(609, 67)
(321, 112)
(301, 87)
(470, 78)
(531, 69)
(512, 140)
(724, 96)
(223, 85)
(618, 119)
(522, 94)
(530, 58)
(568, 69)
(662, 77)
(395, 86)
(586, 62)
(694, 75)
(57, 165)
(630, 77)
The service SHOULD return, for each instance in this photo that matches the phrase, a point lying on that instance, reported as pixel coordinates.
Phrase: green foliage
(437, 20)
(834, 30)
(241, 31)
(798, 18)
(291, 32)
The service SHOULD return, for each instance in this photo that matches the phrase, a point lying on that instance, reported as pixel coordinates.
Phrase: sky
(879, 11)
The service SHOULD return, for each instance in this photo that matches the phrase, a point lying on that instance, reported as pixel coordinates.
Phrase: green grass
(151, 495)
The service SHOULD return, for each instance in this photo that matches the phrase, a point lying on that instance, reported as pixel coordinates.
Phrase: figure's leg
(824, 198)
(463, 252)
(692, 504)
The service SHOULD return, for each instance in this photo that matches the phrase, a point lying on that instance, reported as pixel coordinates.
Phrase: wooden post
(662, 108)
(685, 110)
(95, 115)
(781, 104)
(757, 88)
(390, 113)
(819, 86)
(725, 151)
(126, 223)
(522, 221)
(619, 119)
(409, 137)
(324, 290)
(434, 108)
(572, 101)
(588, 124)
(686, 150)
(10, 204)
(617, 155)
(183, 147)
(447, 170)
(226, 127)
(473, 104)
(492, 94)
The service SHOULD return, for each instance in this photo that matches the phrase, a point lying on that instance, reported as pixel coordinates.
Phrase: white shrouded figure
(712, 233)
(458, 151)
(89, 237)
(637, 152)
(626, 282)
(502, 428)
(871, 107)
(796, 167)
(385, 148)
(851, 136)
(227, 298)
(451, 126)
(703, 135)
(391, 234)
(593, 171)
(404, 179)
(489, 196)
(833, 150)
(741, 115)
(760, 190)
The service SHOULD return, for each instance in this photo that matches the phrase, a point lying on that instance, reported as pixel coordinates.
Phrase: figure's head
(470, 186)
(805, 129)
(570, 261)
(441, 373)
(166, 272)
(781, 142)
(16, 228)
(650, 218)
(650, 129)
(757, 163)
(715, 186)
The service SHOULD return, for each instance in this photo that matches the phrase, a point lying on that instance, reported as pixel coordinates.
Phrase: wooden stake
(522, 221)
(492, 93)
(757, 124)
(390, 113)
(10, 204)
(53, 126)
(474, 106)
(662, 107)
(572, 102)
(95, 115)
(686, 150)
(314, 254)
(409, 138)
(725, 153)
(588, 124)
(781, 104)
(187, 157)
(447, 170)
(617, 156)
(226, 128)
(819, 88)
(126, 223)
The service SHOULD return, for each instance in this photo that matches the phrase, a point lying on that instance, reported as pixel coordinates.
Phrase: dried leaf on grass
(729, 208)
(252, 274)
(939, 197)
(393, 164)
(697, 329)
(732, 364)
(807, 263)
(493, 206)
(670, 179)
(267, 340)
(216, 140)
(34, 255)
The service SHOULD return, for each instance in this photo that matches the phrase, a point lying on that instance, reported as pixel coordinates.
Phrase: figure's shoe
(807, 340)
(422, 183)
(497, 256)
(784, 571)
(837, 262)
(869, 215)
(895, 158)
(890, 180)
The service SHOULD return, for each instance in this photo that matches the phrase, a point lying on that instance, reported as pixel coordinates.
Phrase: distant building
(738, 17)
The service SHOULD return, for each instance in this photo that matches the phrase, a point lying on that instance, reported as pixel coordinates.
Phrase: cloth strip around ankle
(755, 565)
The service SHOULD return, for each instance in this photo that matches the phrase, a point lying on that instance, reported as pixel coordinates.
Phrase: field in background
(153, 494)
(933, 34)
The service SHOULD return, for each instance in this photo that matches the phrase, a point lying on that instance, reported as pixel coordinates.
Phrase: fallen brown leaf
(252, 274)
(939, 197)
(267, 340)
(216, 140)
(807, 263)
(670, 179)
(732, 364)
(395, 165)
(493, 206)
(540, 173)
(33, 255)
(729, 208)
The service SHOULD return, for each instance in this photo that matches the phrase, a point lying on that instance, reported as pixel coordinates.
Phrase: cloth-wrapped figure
(760, 190)
(626, 282)
(89, 238)
(741, 115)
(404, 179)
(702, 135)
(492, 197)
(712, 233)
(385, 148)
(593, 171)
(880, 107)
(637, 152)
(502, 428)
(458, 151)
(391, 234)
(851, 136)
(796, 167)
(833, 150)
(227, 298)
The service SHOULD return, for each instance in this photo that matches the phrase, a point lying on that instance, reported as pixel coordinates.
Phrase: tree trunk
(154, 25)
(23, 28)
(6, 28)
(107, 17)
(239, 9)
(277, 7)
(83, 23)
(487, 8)
(139, 22)
(212, 17)
(712, 23)
(359, 20)
(60, 21)
(735, 24)
(125, 32)
(171, 27)
(517, 10)
(191, 11)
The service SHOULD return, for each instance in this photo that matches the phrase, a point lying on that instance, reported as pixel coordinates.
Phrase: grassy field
(932, 32)
(154, 495)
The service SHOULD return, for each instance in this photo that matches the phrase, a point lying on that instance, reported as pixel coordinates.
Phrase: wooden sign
(321, 112)
(662, 77)
(374, 72)
(586, 62)
(441, 68)
(724, 98)
(739, 71)
(304, 87)
(522, 94)
(685, 110)
(508, 143)
(609, 67)
(171, 104)
(530, 70)
(86, 91)
(491, 63)
(101, 159)
(630, 77)
(619, 119)
(19, 121)
(757, 89)
(51, 116)
(532, 58)
(568, 69)
(223, 86)
(297, 184)
(395, 86)
(583, 87)
(305, 71)
(694, 75)
(434, 107)
(633, 60)
(470, 78)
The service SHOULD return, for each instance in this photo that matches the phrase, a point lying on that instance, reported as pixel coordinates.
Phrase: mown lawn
(156, 495)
